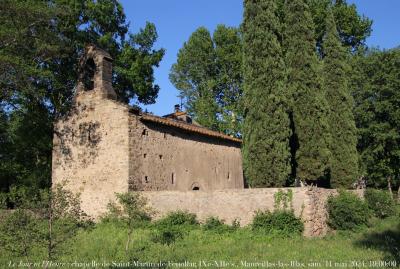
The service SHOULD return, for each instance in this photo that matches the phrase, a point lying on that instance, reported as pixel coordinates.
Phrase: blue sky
(175, 20)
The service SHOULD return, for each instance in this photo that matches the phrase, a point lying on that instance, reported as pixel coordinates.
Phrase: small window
(144, 155)
(196, 188)
(229, 176)
(165, 135)
(144, 132)
(146, 179)
(160, 156)
(173, 178)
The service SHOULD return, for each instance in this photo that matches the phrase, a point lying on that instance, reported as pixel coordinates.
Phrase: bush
(347, 211)
(166, 235)
(282, 222)
(178, 218)
(380, 203)
(214, 224)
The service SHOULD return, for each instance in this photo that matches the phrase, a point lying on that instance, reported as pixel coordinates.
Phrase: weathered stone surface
(308, 203)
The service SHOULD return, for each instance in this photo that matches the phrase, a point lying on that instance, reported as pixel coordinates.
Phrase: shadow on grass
(387, 241)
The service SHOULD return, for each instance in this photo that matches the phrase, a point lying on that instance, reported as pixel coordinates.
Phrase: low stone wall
(308, 203)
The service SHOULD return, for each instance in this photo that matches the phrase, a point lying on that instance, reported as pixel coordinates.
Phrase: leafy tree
(61, 211)
(376, 90)
(309, 110)
(19, 233)
(228, 51)
(266, 126)
(44, 220)
(353, 29)
(344, 161)
(40, 43)
(208, 75)
(132, 209)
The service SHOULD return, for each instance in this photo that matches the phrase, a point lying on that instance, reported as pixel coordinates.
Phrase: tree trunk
(389, 180)
(398, 195)
(128, 241)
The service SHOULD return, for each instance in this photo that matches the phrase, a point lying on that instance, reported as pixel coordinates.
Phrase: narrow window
(173, 178)
(160, 156)
(165, 135)
(146, 179)
(144, 132)
(144, 155)
(229, 176)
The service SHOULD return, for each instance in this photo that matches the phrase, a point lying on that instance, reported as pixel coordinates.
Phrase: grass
(106, 243)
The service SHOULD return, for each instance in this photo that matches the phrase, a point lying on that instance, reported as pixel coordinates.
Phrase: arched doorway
(195, 187)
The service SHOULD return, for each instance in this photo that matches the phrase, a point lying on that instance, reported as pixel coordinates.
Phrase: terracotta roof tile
(188, 127)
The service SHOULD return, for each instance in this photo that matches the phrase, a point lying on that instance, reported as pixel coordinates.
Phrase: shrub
(281, 222)
(178, 218)
(380, 203)
(166, 235)
(214, 224)
(347, 211)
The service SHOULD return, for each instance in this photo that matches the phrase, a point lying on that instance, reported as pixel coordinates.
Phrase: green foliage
(375, 85)
(43, 221)
(347, 211)
(310, 139)
(344, 159)
(208, 76)
(132, 208)
(283, 200)
(353, 28)
(178, 218)
(40, 42)
(103, 243)
(380, 202)
(266, 131)
(166, 235)
(281, 222)
(214, 224)
(173, 226)
(20, 232)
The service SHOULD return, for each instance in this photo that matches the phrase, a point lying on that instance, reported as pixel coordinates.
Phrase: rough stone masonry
(103, 147)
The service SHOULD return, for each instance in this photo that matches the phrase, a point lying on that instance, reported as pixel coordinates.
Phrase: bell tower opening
(89, 71)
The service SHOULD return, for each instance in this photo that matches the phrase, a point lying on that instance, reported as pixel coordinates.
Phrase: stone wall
(91, 152)
(168, 158)
(308, 204)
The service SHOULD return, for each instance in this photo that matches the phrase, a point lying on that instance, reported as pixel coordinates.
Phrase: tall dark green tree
(375, 83)
(40, 44)
(309, 109)
(208, 76)
(266, 129)
(344, 161)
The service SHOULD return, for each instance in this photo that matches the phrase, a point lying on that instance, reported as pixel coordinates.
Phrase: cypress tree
(344, 161)
(266, 129)
(309, 109)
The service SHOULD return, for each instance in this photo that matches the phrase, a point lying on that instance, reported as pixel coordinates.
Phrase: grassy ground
(243, 248)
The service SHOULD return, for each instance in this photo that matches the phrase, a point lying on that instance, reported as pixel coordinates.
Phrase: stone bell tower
(95, 75)
(91, 142)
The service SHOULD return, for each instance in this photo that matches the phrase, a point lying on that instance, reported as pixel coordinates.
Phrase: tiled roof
(188, 127)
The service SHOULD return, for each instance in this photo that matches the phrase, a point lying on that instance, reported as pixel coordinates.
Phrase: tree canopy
(208, 76)
(40, 44)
